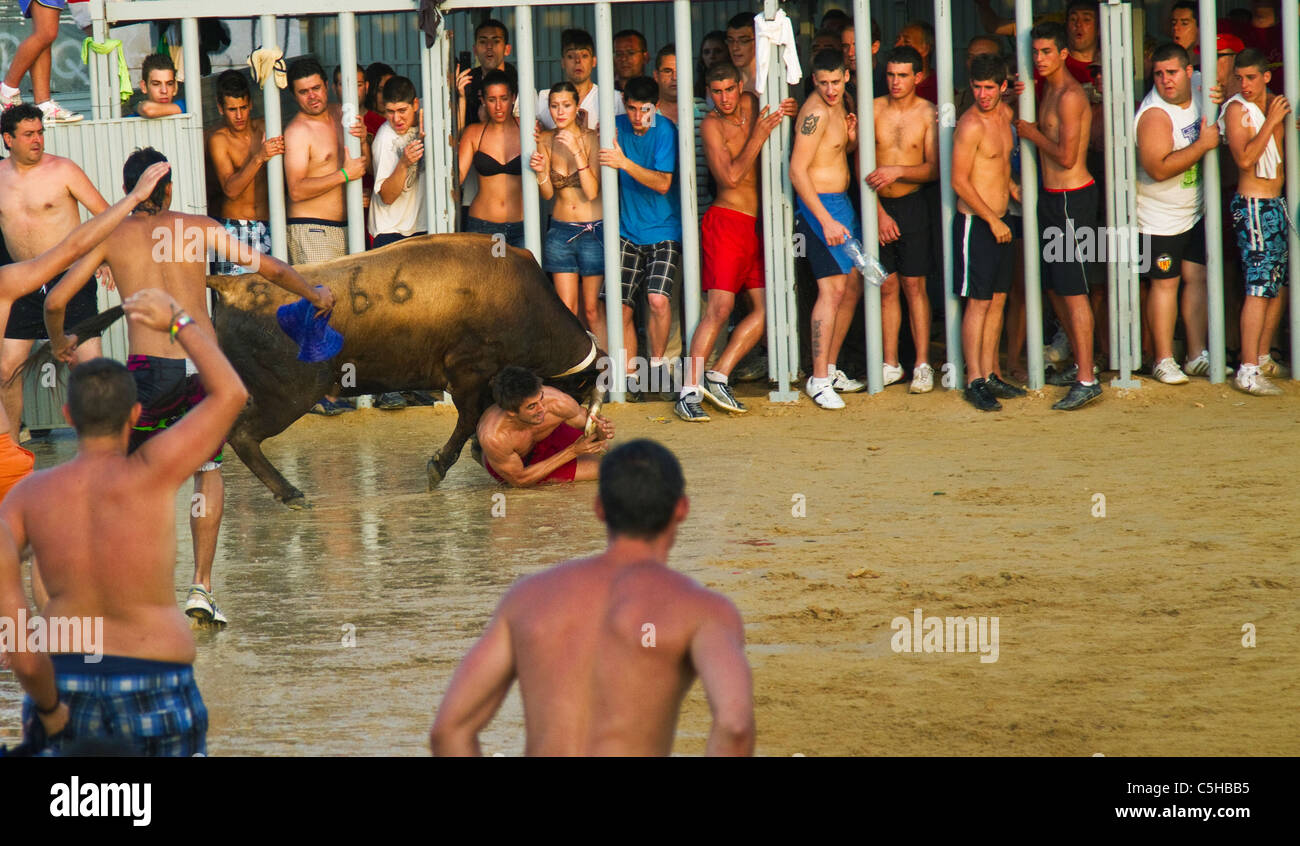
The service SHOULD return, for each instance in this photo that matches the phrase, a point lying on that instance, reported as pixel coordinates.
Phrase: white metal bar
(686, 172)
(527, 146)
(870, 219)
(609, 202)
(947, 196)
(193, 104)
(1213, 205)
(1291, 72)
(275, 165)
(779, 363)
(1029, 197)
(351, 112)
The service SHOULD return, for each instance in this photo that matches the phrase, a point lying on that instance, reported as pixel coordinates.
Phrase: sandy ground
(1119, 634)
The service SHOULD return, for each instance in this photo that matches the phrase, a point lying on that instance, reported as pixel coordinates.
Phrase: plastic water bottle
(871, 269)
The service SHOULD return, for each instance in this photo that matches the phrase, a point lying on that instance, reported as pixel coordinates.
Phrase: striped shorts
(251, 233)
(651, 265)
(129, 706)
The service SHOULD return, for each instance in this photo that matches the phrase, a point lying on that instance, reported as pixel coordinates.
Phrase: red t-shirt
(928, 89)
(1267, 40)
(1079, 69)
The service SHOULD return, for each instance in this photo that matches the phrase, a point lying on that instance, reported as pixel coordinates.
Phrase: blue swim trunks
(26, 5)
(825, 259)
(1262, 228)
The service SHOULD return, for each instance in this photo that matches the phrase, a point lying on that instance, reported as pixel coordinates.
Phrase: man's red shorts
(559, 440)
(732, 249)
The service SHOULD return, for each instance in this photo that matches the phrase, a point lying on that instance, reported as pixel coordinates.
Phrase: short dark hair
(664, 52)
(632, 33)
(156, 61)
(1084, 5)
(905, 55)
(1050, 31)
(641, 483)
(744, 20)
(988, 67)
(1251, 58)
(830, 59)
(643, 89)
(399, 89)
(15, 115)
(101, 393)
(303, 67)
(987, 38)
(496, 77)
(721, 71)
(513, 385)
(576, 39)
(136, 164)
(835, 21)
(875, 31)
(563, 87)
(233, 84)
(1191, 6)
(1170, 50)
(375, 71)
(492, 23)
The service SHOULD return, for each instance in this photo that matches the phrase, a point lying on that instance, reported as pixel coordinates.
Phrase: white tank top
(1174, 205)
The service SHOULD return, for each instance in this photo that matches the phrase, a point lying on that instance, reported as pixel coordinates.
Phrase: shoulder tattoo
(809, 125)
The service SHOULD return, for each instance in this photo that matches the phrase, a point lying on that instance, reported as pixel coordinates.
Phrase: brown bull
(439, 312)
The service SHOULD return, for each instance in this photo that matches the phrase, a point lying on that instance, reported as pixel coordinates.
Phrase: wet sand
(1119, 634)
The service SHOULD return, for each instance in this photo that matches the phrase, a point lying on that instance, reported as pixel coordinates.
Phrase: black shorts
(981, 266)
(1162, 256)
(27, 315)
(1067, 222)
(912, 254)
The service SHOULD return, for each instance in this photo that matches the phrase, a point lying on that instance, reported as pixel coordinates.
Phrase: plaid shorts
(142, 707)
(251, 233)
(312, 240)
(650, 265)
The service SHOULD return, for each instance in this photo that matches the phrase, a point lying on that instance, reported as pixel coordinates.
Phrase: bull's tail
(42, 354)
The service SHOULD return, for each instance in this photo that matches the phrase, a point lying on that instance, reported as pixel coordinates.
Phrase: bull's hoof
(298, 502)
(435, 471)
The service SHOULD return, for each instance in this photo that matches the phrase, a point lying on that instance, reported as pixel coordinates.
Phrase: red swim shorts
(16, 464)
(559, 440)
(732, 249)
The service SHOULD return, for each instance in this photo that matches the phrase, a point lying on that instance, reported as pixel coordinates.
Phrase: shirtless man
(730, 243)
(21, 278)
(907, 157)
(103, 526)
(740, 46)
(1254, 121)
(39, 193)
(605, 648)
(314, 149)
(150, 249)
(239, 150)
(819, 171)
(981, 177)
(1068, 205)
(534, 434)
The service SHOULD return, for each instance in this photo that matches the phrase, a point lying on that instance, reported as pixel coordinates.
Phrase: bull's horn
(580, 366)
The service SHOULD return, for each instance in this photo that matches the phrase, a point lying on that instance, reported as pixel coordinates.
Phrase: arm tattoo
(809, 125)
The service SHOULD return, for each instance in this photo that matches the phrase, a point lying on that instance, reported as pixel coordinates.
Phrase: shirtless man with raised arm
(39, 195)
(239, 151)
(317, 166)
(152, 248)
(907, 157)
(534, 434)
(1067, 208)
(605, 648)
(103, 526)
(730, 241)
(819, 171)
(981, 177)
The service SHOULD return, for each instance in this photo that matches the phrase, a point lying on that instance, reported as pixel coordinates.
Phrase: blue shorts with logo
(825, 259)
(1261, 225)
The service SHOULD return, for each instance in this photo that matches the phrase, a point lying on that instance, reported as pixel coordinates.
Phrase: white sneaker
(1252, 382)
(15, 99)
(1199, 366)
(1168, 371)
(844, 385)
(922, 379)
(893, 373)
(54, 113)
(1268, 366)
(1058, 350)
(823, 393)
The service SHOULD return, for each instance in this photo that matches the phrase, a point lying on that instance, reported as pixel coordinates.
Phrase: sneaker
(1271, 367)
(1168, 371)
(390, 401)
(1058, 351)
(1200, 366)
(54, 113)
(10, 102)
(689, 409)
(719, 393)
(893, 373)
(1001, 389)
(328, 408)
(922, 379)
(201, 607)
(752, 368)
(1253, 382)
(844, 385)
(977, 394)
(1079, 396)
(823, 393)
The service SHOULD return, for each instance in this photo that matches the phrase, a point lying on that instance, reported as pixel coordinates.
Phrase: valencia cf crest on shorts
(1164, 261)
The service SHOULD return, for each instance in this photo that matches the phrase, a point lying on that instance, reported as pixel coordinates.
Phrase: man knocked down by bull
(534, 434)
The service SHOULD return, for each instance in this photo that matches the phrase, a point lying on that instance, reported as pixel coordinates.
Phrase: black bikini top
(488, 166)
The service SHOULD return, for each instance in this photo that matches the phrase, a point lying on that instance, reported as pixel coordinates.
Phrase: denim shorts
(574, 248)
(513, 233)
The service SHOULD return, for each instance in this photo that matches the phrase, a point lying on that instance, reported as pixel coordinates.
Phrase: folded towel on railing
(266, 61)
(105, 48)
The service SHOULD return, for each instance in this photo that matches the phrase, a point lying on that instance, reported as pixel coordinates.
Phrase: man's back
(603, 654)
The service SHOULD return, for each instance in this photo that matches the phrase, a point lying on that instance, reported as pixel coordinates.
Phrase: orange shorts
(16, 464)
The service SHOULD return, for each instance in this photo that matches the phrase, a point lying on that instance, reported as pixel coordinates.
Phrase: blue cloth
(180, 101)
(838, 206)
(645, 215)
(26, 5)
(574, 248)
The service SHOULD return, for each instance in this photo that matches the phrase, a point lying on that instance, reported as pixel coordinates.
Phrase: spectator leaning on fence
(238, 151)
(397, 209)
(158, 82)
(491, 148)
